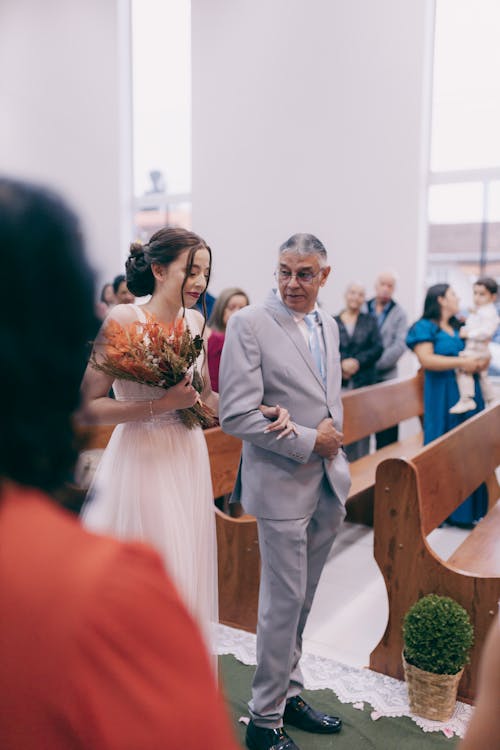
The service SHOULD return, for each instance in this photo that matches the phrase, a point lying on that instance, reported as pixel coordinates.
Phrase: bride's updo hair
(140, 279)
(164, 247)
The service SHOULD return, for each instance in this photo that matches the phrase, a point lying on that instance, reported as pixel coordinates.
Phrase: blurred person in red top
(483, 732)
(96, 650)
(227, 303)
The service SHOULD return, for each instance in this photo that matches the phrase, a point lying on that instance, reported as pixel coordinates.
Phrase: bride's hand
(280, 421)
(179, 396)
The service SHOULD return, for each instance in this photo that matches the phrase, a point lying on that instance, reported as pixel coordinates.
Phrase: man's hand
(328, 440)
(350, 366)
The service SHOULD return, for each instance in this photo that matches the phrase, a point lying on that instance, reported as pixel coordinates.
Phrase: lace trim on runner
(387, 696)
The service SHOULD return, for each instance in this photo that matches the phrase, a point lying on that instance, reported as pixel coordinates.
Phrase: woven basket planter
(432, 696)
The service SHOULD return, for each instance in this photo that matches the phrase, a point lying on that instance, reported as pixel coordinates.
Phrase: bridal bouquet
(153, 354)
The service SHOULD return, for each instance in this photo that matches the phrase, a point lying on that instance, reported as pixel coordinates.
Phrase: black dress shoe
(301, 715)
(261, 738)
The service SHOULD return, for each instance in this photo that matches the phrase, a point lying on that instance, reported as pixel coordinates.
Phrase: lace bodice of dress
(127, 390)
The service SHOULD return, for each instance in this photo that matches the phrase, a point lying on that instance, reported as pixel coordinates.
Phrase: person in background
(480, 326)
(393, 324)
(228, 302)
(108, 295)
(360, 346)
(107, 300)
(435, 339)
(121, 291)
(96, 650)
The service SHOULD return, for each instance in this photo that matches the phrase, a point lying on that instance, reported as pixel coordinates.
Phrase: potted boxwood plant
(438, 636)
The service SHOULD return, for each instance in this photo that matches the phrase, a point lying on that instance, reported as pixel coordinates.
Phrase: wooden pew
(412, 498)
(372, 409)
(237, 539)
(94, 437)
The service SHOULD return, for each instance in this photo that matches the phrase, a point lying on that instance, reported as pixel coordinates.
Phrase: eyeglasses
(303, 277)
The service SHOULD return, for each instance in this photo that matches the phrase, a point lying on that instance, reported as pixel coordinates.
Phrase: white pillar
(65, 112)
(312, 116)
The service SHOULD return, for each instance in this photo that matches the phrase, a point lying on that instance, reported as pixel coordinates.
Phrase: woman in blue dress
(436, 341)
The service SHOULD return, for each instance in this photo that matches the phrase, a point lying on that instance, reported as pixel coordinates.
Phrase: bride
(153, 482)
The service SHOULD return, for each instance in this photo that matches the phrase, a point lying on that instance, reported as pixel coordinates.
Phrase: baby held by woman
(478, 331)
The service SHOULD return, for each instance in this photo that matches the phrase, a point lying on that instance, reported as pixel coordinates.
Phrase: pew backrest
(224, 452)
(450, 468)
(376, 407)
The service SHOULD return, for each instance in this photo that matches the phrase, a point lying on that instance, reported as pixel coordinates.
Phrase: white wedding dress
(153, 484)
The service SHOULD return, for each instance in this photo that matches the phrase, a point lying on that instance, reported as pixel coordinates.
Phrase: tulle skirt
(153, 484)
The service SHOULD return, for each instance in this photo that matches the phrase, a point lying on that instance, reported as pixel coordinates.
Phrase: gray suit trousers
(293, 553)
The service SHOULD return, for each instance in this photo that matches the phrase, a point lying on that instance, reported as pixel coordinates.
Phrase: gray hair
(305, 244)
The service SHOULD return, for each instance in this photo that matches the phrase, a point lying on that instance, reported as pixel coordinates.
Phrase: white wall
(65, 115)
(312, 116)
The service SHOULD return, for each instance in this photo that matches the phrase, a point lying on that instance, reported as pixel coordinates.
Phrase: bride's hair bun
(136, 249)
(140, 279)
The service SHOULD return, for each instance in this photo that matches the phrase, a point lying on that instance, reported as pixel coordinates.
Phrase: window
(464, 190)
(161, 84)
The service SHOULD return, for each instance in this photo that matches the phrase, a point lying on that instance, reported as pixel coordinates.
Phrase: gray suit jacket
(266, 360)
(394, 330)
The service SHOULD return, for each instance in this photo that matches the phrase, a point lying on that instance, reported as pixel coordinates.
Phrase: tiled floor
(349, 612)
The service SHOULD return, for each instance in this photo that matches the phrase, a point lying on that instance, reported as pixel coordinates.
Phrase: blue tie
(311, 321)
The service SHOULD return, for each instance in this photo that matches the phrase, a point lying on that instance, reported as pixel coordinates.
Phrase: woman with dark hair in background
(360, 346)
(108, 295)
(96, 650)
(436, 341)
(227, 303)
(106, 301)
(153, 481)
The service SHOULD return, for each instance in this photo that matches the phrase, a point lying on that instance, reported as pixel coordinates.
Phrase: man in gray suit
(393, 327)
(286, 352)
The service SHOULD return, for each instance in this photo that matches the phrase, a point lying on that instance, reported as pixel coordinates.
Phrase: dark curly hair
(164, 247)
(47, 319)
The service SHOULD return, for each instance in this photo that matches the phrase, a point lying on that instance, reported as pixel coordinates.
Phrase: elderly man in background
(393, 326)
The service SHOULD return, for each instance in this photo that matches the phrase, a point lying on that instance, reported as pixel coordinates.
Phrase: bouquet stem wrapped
(154, 354)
